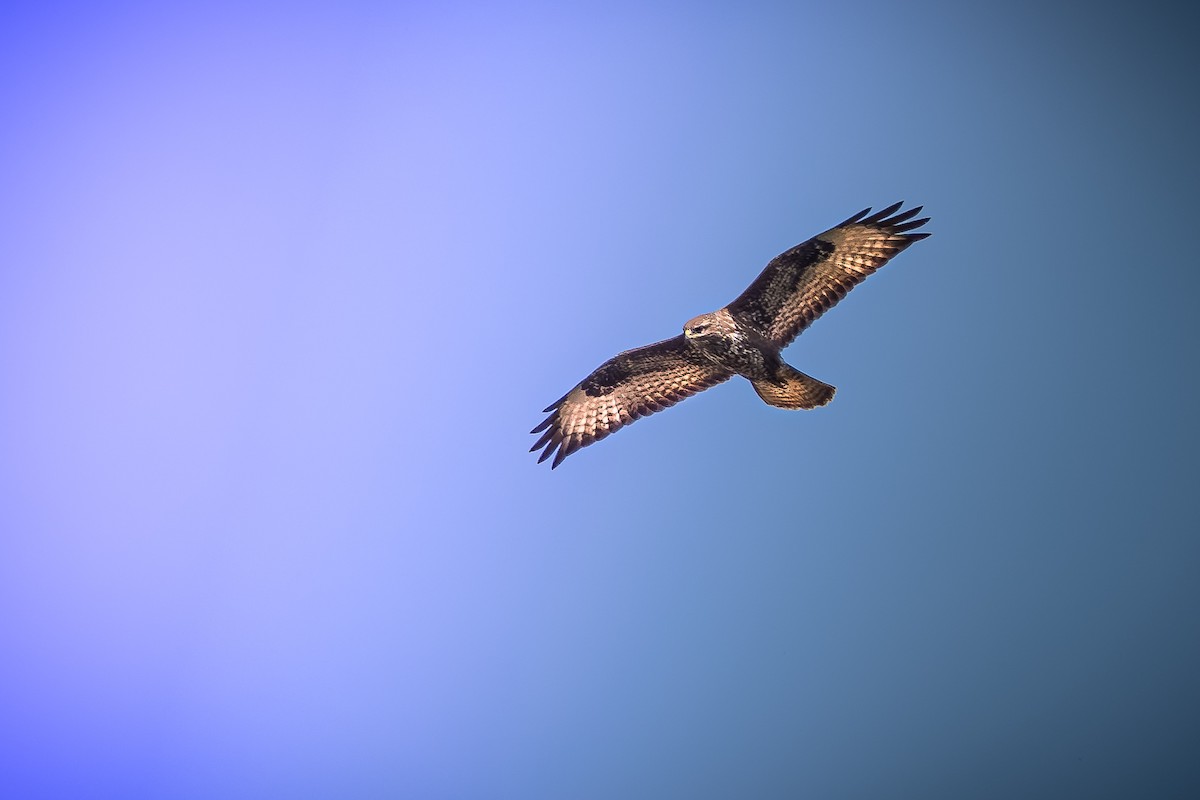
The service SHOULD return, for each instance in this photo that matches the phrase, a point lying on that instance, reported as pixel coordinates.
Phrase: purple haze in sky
(283, 288)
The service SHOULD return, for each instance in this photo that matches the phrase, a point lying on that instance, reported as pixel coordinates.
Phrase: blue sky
(282, 290)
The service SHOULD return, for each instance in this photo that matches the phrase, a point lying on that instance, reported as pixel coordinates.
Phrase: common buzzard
(743, 338)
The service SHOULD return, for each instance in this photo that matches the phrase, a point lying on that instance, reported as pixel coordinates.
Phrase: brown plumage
(744, 338)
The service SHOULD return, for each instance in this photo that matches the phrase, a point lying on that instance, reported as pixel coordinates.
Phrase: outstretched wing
(627, 386)
(803, 283)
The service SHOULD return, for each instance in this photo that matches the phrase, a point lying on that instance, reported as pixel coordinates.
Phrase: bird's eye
(699, 328)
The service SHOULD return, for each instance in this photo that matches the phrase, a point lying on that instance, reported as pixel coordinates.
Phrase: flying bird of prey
(743, 338)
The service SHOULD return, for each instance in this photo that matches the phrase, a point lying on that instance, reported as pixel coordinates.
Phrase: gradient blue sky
(284, 286)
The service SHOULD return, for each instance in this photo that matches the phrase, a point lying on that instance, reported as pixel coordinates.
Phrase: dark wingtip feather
(903, 215)
(564, 450)
(553, 439)
(541, 442)
(908, 226)
(556, 403)
(879, 216)
(916, 237)
(855, 218)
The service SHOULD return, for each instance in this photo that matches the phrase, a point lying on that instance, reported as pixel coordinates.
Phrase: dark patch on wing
(606, 378)
(763, 299)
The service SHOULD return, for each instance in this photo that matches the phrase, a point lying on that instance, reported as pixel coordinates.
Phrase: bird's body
(744, 338)
(730, 343)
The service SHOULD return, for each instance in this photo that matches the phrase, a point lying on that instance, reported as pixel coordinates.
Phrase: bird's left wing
(803, 283)
(627, 386)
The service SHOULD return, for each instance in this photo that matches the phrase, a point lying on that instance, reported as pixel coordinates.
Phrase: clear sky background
(283, 287)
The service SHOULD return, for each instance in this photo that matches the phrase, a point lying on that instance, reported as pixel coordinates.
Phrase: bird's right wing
(803, 283)
(630, 385)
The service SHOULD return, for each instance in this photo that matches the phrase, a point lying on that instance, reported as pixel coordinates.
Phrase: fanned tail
(793, 389)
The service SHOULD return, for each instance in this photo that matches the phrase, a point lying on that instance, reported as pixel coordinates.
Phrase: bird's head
(704, 325)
